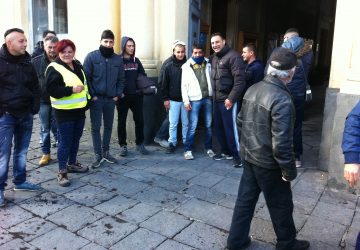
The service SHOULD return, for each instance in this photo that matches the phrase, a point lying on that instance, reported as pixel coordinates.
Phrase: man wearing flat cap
(266, 123)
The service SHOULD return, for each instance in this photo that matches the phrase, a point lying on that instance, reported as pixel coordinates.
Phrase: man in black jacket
(45, 113)
(266, 122)
(39, 47)
(19, 100)
(228, 84)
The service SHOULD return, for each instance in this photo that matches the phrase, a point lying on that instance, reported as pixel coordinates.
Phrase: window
(48, 14)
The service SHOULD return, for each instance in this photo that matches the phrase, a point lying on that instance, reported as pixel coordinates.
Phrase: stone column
(232, 30)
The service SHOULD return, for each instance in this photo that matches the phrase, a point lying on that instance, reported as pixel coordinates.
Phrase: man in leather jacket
(266, 122)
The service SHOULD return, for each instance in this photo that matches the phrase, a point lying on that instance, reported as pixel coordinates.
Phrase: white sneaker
(188, 155)
(298, 164)
(210, 153)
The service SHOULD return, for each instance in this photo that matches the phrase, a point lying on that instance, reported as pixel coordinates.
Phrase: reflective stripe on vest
(76, 100)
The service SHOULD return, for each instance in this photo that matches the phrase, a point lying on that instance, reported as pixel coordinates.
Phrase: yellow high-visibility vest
(76, 100)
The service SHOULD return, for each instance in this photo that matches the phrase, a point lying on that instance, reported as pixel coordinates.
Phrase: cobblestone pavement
(163, 202)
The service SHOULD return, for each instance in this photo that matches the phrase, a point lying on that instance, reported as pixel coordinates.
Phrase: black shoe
(221, 156)
(170, 149)
(243, 247)
(237, 163)
(300, 245)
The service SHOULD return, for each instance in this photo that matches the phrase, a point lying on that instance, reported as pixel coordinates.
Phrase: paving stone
(100, 178)
(142, 176)
(318, 245)
(303, 205)
(19, 196)
(170, 184)
(334, 213)
(205, 194)
(31, 229)
(206, 179)
(235, 173)
(351, 236)
(262, 230)
(228, 186)
(161, 168)
(14, 215)
(141, 239)
(202, 236)
(116, 168)
(228, 202)
(173, 245)
(183, 173)
(166, 223)
(258, 245)
(40, 175)
(45, 204)
(125, 186)
(356, 220)
(75, 217)
(16, 245)
(116, 205)
(138, 213)
(140, 163)
(322, 230)
(53, 186)
(90, 195)
(221, 168)
(160, 197)
(59, 239)
(308, 189)
(339, 198)
(107, 231)
(93, 246)
(5, 236)
(209, 213)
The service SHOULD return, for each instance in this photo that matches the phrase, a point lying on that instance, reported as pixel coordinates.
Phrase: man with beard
(106, 80)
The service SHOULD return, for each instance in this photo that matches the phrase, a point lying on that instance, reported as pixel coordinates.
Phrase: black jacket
(19, 87)
(227, 75)
(171, 79)
(38, 50)
(56, 87)
(40, 64)
(266, 123)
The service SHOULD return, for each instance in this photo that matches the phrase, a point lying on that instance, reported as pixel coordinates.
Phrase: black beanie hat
(107, 34)
(282, 59)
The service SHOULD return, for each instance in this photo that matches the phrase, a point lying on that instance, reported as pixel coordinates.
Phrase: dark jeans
(135, 104)
(69, 138)
(47, 124)
(299, 103)
(225, 128)
(278, 199)
(102, 108)
(17, 130)
(163, 132)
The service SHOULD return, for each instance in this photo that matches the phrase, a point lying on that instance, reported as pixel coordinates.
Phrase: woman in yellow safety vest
(66, 84)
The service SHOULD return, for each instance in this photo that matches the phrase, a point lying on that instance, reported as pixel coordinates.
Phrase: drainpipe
(115, 6)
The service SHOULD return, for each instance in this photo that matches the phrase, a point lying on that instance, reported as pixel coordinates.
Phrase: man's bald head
(16, 41)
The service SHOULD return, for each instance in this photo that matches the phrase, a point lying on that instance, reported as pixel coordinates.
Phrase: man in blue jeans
(106, 78)
(19, 101)
(45, 114)
(197, 94)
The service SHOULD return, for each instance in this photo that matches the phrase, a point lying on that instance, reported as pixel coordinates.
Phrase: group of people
(254, 117)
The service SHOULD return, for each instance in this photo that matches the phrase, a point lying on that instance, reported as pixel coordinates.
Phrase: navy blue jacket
(254, 72)
(105, 76)
(351, 137)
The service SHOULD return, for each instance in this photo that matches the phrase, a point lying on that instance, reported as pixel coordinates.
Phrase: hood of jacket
(294, 44)
(124, 40)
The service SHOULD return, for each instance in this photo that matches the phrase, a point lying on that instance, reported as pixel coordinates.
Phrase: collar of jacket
(5, 54)
(223, 51)
(274, 80)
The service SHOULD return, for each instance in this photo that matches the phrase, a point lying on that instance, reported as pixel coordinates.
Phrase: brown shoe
(63, 179)
(77, 168)
(45, 159)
